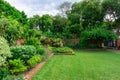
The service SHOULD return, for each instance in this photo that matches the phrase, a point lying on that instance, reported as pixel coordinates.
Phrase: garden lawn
(84, 65)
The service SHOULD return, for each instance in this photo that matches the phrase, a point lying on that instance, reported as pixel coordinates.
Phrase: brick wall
(118, 43)
(74, 41)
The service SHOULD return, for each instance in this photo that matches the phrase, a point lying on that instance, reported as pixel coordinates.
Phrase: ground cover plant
(62, 50)
(85, 65)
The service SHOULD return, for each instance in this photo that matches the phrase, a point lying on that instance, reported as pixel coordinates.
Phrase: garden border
(30, 74)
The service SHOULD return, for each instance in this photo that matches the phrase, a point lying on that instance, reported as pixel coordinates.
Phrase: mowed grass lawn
(84, 65)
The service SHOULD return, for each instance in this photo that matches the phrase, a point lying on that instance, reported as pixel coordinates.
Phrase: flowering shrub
(55, 42)
(4, 51)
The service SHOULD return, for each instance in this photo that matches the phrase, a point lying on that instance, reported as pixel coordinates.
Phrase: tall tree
(112, 9)
(34, 22)
(60, 24)
(64, 8)
(7, 10)
(46, 23)
(90, 12)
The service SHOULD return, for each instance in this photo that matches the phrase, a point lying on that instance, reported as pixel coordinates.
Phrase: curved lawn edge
(85, 65)
(32, 72)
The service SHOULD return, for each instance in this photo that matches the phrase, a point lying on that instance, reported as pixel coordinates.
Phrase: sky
(40, 7)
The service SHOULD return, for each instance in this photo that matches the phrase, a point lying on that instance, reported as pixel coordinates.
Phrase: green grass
(85, 65)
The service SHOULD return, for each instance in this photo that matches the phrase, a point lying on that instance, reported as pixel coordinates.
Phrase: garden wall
(73, 41)
(118, 43)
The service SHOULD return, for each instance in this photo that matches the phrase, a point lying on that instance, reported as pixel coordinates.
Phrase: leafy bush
(55, 42)
(23, 52)
(33, 41)
(10, 29)
(3, 73)
(17, 66)
(34, 33)
(71, 45)
(95, 37)
(14, 77)
(34, 60)
(4, 51)
(40, 51)
(62, 50)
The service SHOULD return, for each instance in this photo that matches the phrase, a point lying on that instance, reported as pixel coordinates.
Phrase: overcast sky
(40, 7)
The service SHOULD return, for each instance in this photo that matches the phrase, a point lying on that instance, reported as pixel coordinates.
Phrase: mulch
(29, 75)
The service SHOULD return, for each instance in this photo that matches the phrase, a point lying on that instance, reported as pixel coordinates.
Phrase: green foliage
(48, 34)
(33, 37)
(96, 35)
(11, 30)
(14, 77)
(89, 12)
(3, 73)
(7, 10)
(75, 30)
(17, 66)
(34, 60)
(33, 33)
(60, 24)
(33, 41)
(62, 50)
(43, 23)
(99, 34)
(74, 18)
(34, 21)
(112, 7)
(23, 52)
(41, 51)
(4, 51)
(71, 45)
(55, 42)
(46, 23)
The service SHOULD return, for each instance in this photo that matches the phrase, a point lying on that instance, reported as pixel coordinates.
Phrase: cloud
(40, 7)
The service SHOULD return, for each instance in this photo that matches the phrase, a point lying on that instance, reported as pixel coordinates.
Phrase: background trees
(64, 8)
(7, 10)
(72, 20)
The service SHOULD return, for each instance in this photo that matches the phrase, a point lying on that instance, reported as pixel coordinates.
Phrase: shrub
(96, 36)
(40, 51)
(3, 73)
(34, 33)
(10, 29)
(4, 51)
(14, 77)
(71, 45)
(17, 66)
(62, 50)
(34, 60)
(33, 41)
(55, 42)
(23, 52)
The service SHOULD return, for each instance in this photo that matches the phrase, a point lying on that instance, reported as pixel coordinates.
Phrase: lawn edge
(30, 74)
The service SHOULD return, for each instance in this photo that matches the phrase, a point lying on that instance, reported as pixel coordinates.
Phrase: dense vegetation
(29, 40)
